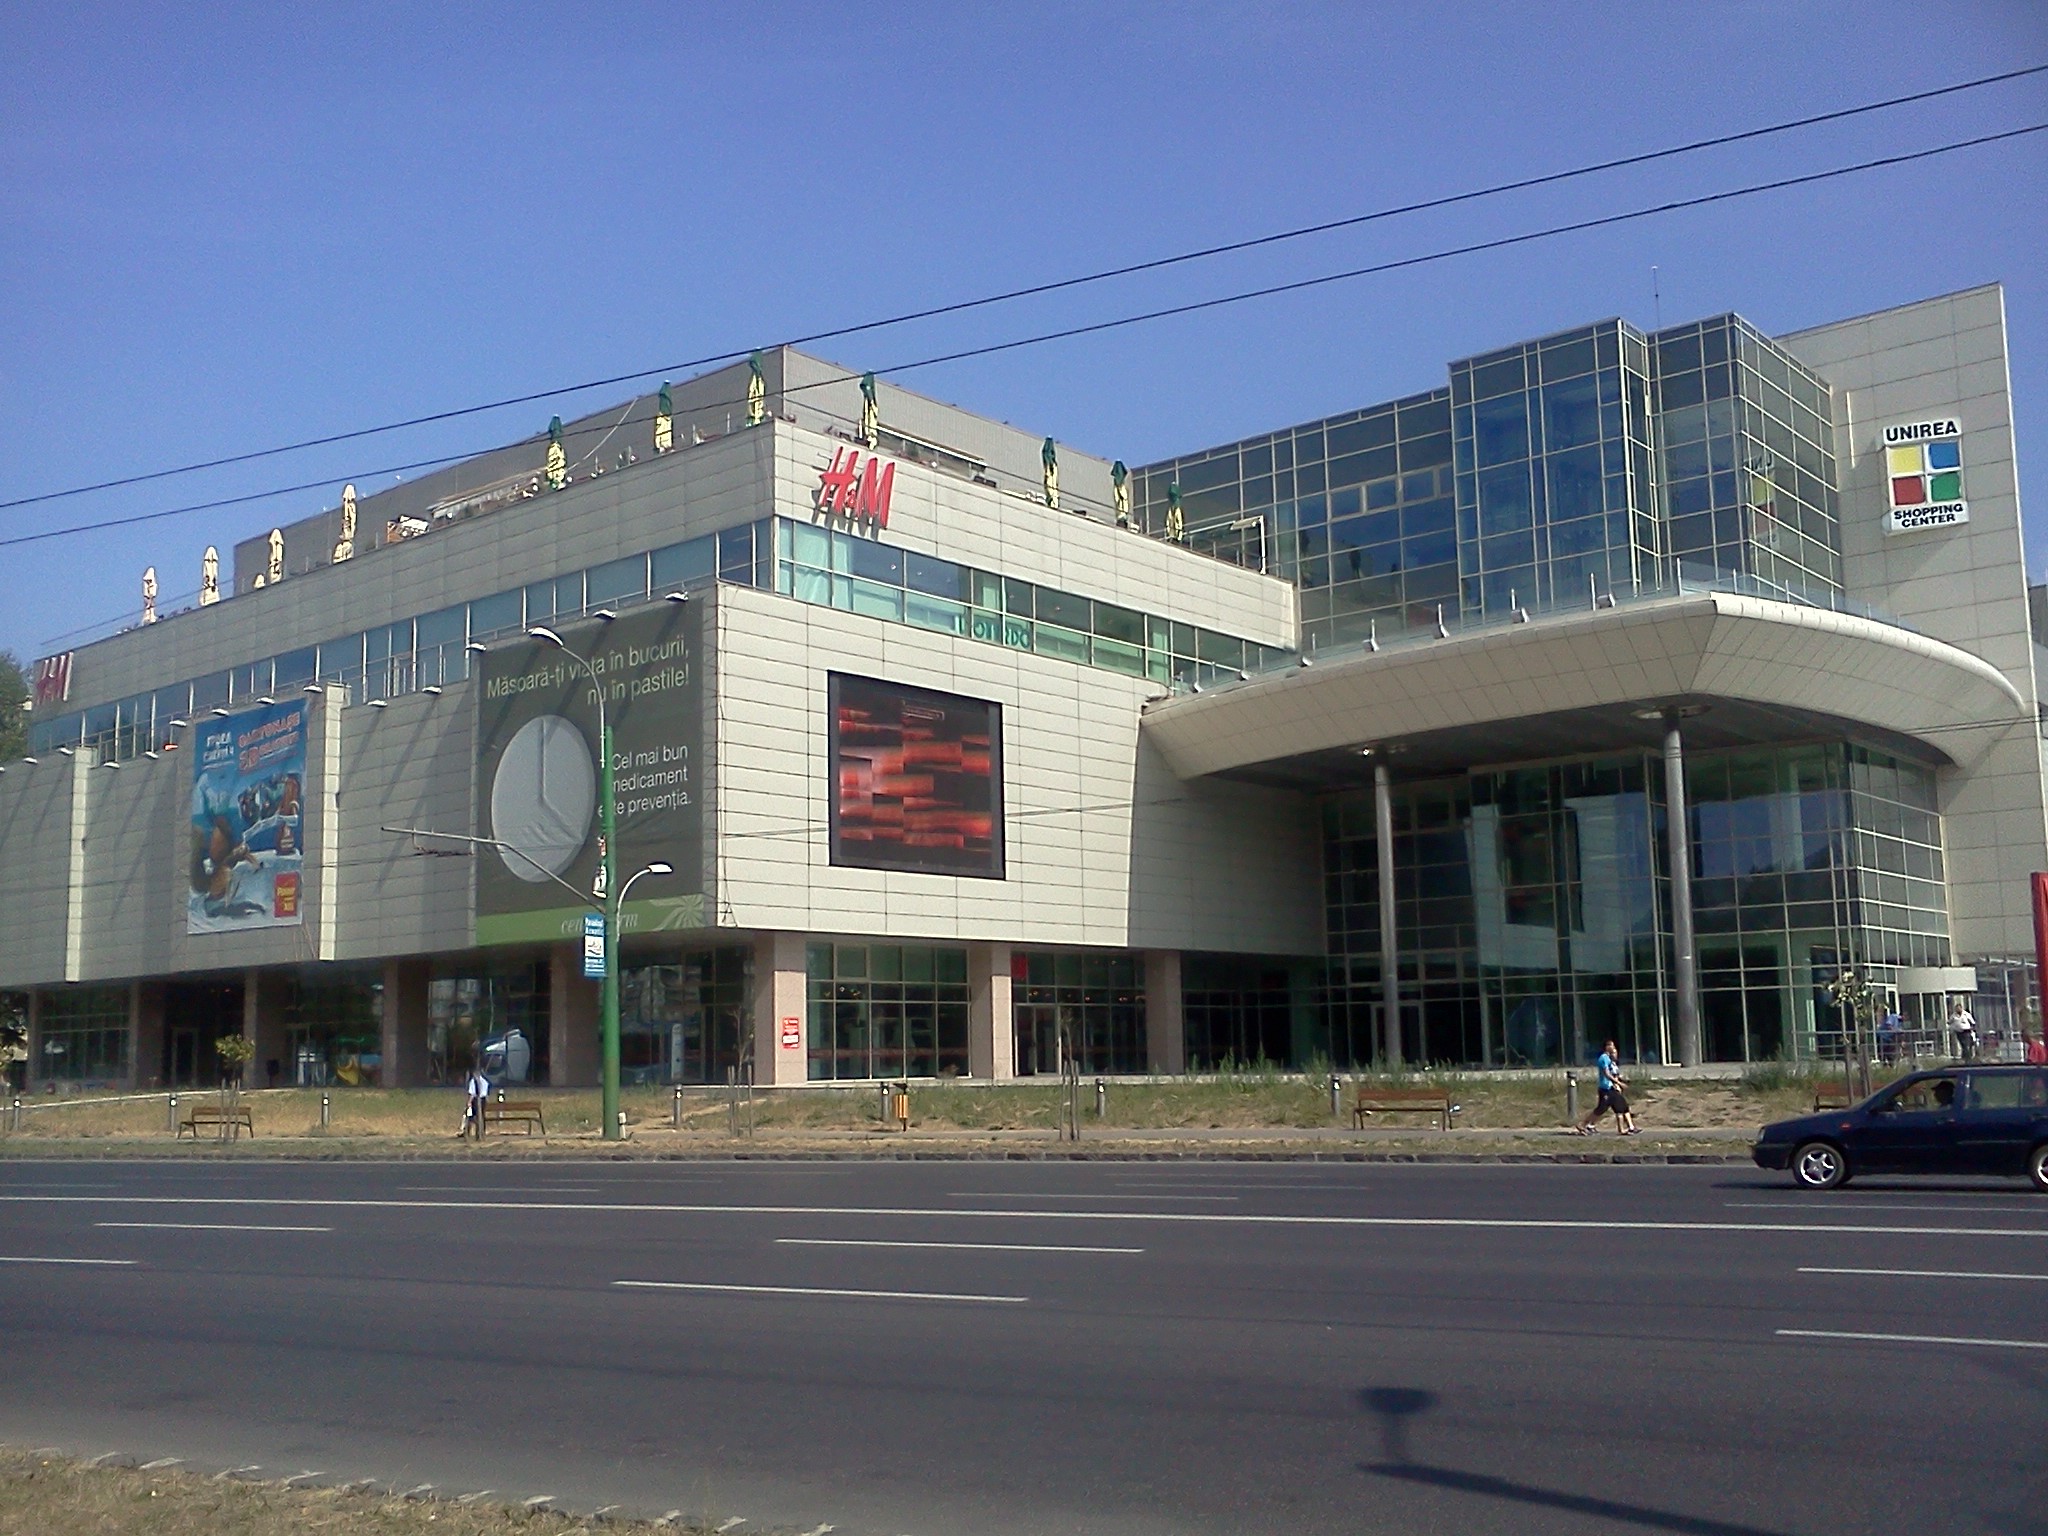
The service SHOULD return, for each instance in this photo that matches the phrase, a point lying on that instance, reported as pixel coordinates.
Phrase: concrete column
(263, 1021)
(1686, 960)
(1390, 958)
(574, 1051)
(146, 1041)
(1166, 1040)
(781, 1000)
(991, 1014)
(406, 1007)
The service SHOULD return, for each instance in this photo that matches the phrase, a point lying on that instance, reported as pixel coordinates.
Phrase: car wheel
(2037, 1167)
(1820, 1165)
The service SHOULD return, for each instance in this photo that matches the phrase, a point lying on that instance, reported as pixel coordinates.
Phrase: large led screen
(917, 780)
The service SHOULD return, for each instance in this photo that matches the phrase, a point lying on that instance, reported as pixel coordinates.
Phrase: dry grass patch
(42, 1495)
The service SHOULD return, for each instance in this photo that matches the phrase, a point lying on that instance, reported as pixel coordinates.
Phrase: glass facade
(1746, 456)
(1533, 904)
(887, 1010)
(1356, 510)
(1096, 1001)
(1553, 471)
(471, 1010)
(685, 1020)
(1594, 462)
(333, 1034)
(83, 1034)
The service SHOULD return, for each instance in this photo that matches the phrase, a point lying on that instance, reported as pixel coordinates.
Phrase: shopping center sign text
(1923, 466)
(857, 486)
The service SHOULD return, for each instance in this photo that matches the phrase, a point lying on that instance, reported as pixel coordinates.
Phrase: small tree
(234, 1052)
(1855, 996)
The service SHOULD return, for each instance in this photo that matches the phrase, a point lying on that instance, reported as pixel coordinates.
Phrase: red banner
(2041, 945)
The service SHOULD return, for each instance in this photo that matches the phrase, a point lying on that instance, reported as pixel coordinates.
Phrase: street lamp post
(610, 897)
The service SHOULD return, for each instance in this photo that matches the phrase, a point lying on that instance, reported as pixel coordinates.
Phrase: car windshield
(1923, 1096)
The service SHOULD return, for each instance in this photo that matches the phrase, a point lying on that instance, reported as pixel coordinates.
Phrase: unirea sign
(1923, 465)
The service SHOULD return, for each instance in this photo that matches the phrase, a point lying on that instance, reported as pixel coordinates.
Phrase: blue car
(1961, 1120)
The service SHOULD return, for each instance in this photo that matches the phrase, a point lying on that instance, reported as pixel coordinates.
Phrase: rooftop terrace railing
(1349, 636)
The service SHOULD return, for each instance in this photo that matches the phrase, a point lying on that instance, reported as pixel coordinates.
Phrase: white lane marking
(13, 1259)
(876, 1242)
(1225, 1218)
(1005, 1194)
(1873, 1206)
(205, 1226)
(805, 1290)
(1911, 1338)
(497, 1189)
(1922, 1274)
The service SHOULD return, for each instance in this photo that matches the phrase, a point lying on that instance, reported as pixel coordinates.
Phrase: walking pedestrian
(1963, 1025)
(1608, 1066)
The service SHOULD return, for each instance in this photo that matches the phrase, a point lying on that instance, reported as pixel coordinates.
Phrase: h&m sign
(856, 485)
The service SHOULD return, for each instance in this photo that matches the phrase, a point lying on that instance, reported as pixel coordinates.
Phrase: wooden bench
(1833, 1096)
(524, 1112)
(1393, 1101)
(222, 1122)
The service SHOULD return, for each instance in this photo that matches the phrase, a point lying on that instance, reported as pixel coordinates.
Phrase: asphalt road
(942, 1349)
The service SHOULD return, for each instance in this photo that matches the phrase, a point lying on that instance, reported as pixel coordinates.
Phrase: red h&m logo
(857, 487)
(51, 681)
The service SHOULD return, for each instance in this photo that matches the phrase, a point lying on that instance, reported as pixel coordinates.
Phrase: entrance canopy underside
(1763, 670)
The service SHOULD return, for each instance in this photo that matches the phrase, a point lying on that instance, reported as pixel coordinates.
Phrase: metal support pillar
(1684, 950)
(1390, 960)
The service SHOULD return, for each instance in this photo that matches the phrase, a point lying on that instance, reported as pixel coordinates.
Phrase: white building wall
(1947, 357)
(1104, 846)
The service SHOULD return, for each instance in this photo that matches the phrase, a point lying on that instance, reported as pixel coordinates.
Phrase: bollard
(14, 1114)
(882, 1114)
(1101, 1099)
(173, 1127)
(1336, 1095)
(622, 1123)
(1571, 1097)
(323, 1112)
(675, 1113)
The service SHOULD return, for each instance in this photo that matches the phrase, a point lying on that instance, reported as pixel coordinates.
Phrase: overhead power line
(1194, 306)
(1056, 285)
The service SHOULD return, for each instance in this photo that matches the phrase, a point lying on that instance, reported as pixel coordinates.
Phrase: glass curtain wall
(1747, 458)
(1553, 471)
(1239, 1011)
(334, 1033)
(469, 1010)
(1533, 904)
(82, 1035)
(685, 1020)
(1097, 1001)
(887, 1010)
(1356, 510)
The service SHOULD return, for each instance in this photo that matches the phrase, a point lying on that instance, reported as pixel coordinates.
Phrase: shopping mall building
(1619, 685)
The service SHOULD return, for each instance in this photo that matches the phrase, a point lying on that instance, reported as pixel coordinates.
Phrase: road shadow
(1397, 1407)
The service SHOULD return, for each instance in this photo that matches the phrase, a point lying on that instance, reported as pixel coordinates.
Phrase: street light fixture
(608, 884)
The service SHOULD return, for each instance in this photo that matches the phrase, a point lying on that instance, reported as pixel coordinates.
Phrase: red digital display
(917, 780)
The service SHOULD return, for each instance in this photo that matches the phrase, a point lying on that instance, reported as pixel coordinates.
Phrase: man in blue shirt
(1611, 1096)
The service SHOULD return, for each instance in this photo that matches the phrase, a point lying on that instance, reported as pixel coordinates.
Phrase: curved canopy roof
(1764, 670)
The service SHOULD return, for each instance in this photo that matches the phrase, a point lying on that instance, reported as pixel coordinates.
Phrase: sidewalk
(1199, 1143)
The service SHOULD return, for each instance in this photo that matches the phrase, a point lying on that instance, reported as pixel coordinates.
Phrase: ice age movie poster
(248, 786)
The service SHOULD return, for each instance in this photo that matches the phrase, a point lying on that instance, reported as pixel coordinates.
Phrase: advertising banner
(537, 740)
(917, 780)
(248, 834)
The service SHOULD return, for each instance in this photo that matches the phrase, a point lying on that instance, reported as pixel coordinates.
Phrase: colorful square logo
(1923, 466)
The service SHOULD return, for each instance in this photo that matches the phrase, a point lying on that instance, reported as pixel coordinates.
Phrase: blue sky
(232, 226)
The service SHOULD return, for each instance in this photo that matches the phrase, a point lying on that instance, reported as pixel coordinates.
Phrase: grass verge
(46, 1495)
